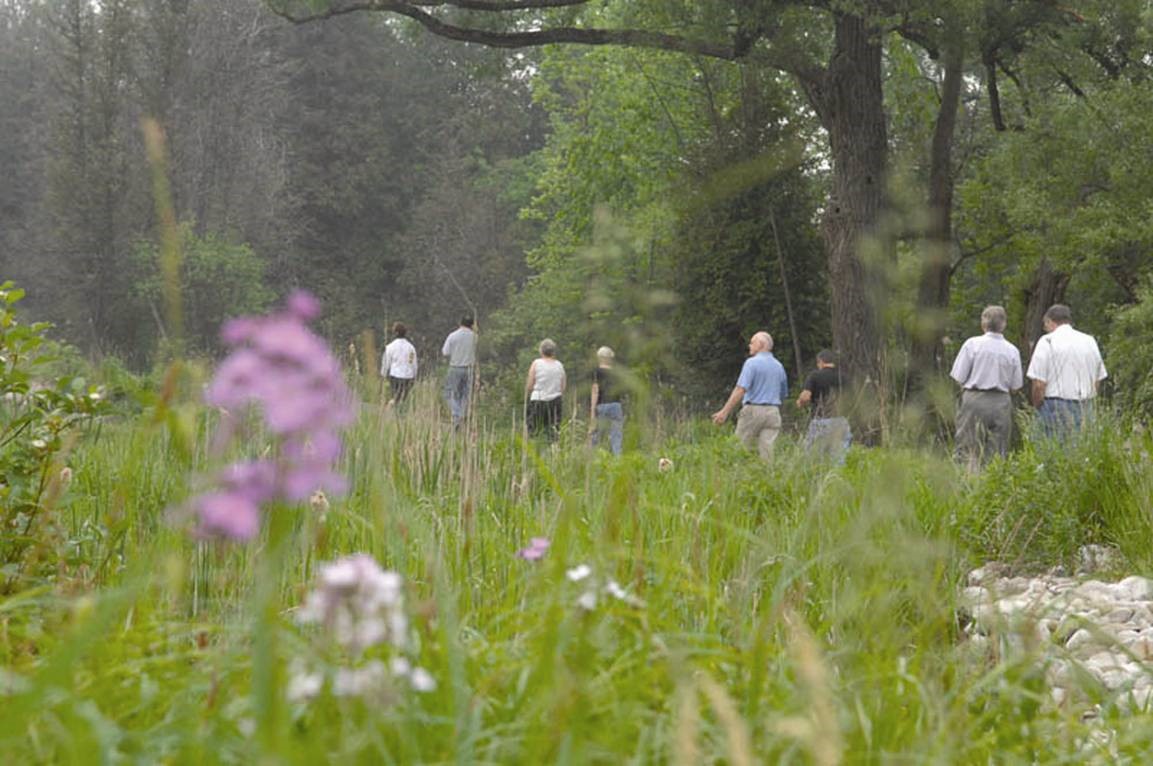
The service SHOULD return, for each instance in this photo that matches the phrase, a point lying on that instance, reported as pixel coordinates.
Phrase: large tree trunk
(848, 97)
(1046, 288)
(933, 294)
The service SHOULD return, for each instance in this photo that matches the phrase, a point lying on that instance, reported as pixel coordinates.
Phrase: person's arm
(446, 349)
(784, 388)
(963, 364)
(563, 379)
(1038, 392)
(1018, 376)
(531, 380)
(1038, 371)
(805, 397)
(385, 363)
(1102, 373)
(412, 358)
(593, 397)
(721, 415)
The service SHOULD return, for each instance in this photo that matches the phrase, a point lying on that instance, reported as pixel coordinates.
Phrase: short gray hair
(604, 352)
(548, 347)
(1059, 313)
(993, 319)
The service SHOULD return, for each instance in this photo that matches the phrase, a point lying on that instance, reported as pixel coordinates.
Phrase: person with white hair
(605, 407)
(544, 390)
(988, 369)
(762, 386)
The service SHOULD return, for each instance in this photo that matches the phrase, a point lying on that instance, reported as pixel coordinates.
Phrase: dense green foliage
(41, 415)
(218, 280)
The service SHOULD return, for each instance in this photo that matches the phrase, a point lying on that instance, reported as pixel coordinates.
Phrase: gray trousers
(984, 424)
(457, 387)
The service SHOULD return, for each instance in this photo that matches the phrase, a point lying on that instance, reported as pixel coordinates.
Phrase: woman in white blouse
(544, 390)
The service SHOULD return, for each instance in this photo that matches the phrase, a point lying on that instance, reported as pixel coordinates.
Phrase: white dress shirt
(988, 363)
(1069, 363)
(399, 360)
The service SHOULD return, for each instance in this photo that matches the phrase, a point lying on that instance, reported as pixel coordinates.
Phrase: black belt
(1063, 399)
(988, 390)
(761, 404)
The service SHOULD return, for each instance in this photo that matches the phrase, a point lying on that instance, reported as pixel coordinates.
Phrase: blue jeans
(831, 436)
(457, 387)
(1062, 418)
(614, 414)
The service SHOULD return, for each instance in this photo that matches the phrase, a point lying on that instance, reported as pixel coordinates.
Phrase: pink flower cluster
(283, 369)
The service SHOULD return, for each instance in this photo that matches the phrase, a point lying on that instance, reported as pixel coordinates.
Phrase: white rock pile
(1093, 638)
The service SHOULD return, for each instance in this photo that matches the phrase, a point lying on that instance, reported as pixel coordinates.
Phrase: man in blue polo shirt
(761, 388)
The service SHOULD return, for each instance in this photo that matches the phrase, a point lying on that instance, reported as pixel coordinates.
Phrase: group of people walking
(399, 366)
(763, 387)
(544, 387)
(1065, 371)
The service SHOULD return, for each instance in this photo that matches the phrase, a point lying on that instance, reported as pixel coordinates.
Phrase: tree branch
(636, 38)
(499, 6)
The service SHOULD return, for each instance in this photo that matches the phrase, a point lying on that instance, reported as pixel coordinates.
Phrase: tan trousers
(758, 425)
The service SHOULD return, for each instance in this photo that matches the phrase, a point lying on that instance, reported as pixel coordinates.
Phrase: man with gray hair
(1066, 370)
(761, 388)
(988, 369)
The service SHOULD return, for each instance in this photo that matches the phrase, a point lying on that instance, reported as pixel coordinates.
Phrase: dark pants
(399, 388)
(984, 424)
(544, 417)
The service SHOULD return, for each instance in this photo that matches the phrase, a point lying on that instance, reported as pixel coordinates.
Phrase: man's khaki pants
(758, 426)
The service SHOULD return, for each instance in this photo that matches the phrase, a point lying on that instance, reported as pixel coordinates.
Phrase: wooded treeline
(865, 174)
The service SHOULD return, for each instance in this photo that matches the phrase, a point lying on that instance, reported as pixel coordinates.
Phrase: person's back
(1069, 361)
(400, 359)
(825, 384)
(828, 429)
(460, 347)
(549, 380)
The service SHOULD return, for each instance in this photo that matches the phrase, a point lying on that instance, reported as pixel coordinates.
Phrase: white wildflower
(303, 685)
(615, 590)
(579, 572)
(588, 600)
(400, 667)
(422, 680)
(358, 682)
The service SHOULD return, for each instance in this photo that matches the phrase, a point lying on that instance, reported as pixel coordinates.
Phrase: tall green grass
(792, 613)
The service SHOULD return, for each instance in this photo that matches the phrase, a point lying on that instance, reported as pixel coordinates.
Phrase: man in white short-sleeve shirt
(1066, 370)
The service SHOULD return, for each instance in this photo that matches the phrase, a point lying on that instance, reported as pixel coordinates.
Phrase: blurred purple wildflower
(537, 547)
(281, 368)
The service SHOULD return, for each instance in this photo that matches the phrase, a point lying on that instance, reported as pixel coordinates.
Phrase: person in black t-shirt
(828, 431)
(605, 406)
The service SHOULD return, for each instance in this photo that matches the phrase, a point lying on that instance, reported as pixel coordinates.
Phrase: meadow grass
(792, 613)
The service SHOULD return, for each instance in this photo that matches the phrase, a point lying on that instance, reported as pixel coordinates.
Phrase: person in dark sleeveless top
(606, 409)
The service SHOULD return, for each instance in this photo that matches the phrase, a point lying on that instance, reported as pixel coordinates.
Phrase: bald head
(761, 341)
